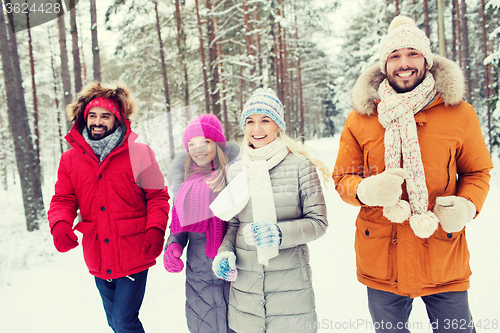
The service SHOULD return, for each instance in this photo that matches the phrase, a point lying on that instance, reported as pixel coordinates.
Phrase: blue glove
(262, 234)
(224, 266)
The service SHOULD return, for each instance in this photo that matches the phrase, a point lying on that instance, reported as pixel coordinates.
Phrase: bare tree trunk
(212, 55)
(223, 92)
(202, 55)
(283, 65)
(277, 63)
(29, 170)
(260, 69)
(465, 50)
(458, 33)
(64, 65)
(454, 43)
(56, 99)
(242, 82)
(299, 83)
(414, 11)
(442, 40)
(84, 65)
(35, 98)
(181, 44)
(95, 42)
(165, 84)
(248, 42)
(273, 53)
(279, 56)
(6, 140)
(426, 20)
(486, 73)
(77, 67)
(396, 3)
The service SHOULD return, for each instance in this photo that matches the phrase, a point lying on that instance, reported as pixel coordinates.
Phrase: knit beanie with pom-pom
(206, 125)
(403, 33)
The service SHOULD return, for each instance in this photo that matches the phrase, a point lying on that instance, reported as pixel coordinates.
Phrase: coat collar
(449, 79)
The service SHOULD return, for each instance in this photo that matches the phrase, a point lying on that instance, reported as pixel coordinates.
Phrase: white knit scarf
(253, 183)
(396, 114)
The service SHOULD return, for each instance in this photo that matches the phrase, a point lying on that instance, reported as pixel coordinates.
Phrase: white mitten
(398, 213)
(383, 189)
(224, 266)
(454, 212)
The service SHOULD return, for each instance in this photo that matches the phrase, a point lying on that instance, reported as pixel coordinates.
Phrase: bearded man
(117, 187)
(412, 156)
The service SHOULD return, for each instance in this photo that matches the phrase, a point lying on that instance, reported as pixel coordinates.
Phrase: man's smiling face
(100, 123)
(405, 69)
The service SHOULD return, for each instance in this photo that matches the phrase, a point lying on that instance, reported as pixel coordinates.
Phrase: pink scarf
(191, 211)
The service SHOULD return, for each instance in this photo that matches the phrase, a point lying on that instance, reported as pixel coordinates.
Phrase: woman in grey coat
(275, 206)
(195, 177)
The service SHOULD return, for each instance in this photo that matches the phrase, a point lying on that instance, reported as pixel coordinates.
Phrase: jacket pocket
(448, 257)
(131, 234)
(452, 172)
(366, 164)
(374, 251)
(90, 244)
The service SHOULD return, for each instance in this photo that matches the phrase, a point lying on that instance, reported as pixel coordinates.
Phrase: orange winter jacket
(456, 161)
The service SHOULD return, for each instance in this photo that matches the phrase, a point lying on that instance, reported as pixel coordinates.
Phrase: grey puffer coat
(206, 295)
(279, 297)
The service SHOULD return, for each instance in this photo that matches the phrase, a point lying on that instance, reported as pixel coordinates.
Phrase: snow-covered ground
(43, 291)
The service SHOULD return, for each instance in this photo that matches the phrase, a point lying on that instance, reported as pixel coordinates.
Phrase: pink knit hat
(103, 102)
(403, 33)
(206, 125)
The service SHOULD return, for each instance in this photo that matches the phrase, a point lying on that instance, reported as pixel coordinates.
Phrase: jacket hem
(454, 286)
(105, 276)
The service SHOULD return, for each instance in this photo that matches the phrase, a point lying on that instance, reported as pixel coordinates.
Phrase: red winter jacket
(118, 200)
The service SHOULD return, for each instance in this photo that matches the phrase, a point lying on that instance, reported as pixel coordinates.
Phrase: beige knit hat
(403, 33)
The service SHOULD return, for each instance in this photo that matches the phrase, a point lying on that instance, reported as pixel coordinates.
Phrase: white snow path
(43, 291)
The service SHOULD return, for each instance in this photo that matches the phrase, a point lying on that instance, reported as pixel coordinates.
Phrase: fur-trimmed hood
(91, 90)
(449, 79)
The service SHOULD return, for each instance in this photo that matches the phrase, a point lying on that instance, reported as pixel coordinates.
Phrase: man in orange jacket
(413, 157)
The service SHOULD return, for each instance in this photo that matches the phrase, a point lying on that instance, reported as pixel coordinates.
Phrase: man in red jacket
(117, 185)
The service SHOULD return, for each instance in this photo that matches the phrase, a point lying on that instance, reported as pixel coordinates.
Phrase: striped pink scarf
(191, 212)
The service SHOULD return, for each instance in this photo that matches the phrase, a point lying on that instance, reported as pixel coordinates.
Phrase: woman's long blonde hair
(220, 165)
(301, 151)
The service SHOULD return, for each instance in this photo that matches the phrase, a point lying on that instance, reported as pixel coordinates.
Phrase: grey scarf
(102, 148)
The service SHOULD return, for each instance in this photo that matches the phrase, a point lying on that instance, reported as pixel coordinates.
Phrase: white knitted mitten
(224, 266)
(398, 213)
(454, 212)
(383, 189)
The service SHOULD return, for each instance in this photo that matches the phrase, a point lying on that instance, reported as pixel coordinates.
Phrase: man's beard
(400, 88)
(94, 136)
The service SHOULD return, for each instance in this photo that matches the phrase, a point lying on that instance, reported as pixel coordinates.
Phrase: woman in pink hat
(195, 178)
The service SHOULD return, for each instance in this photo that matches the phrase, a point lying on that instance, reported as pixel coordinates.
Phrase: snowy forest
(186, 57)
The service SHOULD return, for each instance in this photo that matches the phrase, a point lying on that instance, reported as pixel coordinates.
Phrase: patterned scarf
(396, 114)
(103, 147)
(191, 212)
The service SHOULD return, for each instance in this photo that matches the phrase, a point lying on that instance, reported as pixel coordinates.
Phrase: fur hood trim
(447, 74)
(91, 90)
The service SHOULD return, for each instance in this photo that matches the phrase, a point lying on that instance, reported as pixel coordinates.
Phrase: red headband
(103, 102)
